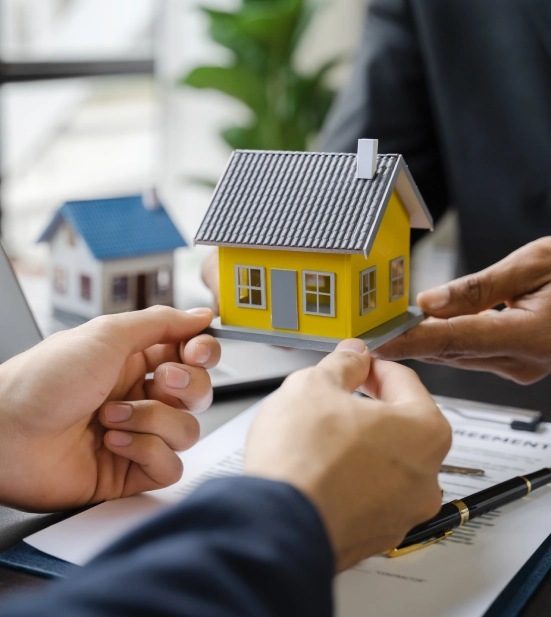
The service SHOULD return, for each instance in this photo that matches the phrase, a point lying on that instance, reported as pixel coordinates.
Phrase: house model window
(120, 288)
(397, 269)
(318, 293)
(162, 281)
(85, 287)
(71, 238)
(251, 287)
(60, 280)
(368, 290)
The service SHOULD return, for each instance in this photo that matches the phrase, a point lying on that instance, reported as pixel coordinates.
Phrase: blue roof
(119, 227)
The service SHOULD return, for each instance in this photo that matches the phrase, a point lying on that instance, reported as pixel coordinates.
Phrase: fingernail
(199, 311)
(351, 344)
(436, 298)
(116, 412)
(120, 439)
(177, 377)
(202, 353)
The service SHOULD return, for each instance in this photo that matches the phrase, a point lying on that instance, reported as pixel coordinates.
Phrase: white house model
(111, 256)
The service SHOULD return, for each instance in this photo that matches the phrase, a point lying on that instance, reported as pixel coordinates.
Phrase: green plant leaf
(225, 30)
(288, 108)
(242, 138)
(327, 67)
(307, 13)
(272, 25)
(236, 81)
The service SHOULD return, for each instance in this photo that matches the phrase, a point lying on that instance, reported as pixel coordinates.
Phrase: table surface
(14, 526)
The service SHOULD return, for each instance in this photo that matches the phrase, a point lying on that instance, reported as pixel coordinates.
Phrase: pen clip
(398, 552)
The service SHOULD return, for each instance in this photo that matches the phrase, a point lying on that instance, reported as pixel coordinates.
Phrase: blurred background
(100, 98)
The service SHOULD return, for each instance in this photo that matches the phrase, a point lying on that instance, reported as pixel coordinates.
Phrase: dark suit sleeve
(237, 547)
(388, 98)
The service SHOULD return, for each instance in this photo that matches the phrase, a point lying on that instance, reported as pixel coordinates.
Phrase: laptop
(26, 319)
(18, 328)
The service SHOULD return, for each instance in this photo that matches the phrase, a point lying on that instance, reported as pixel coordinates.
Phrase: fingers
(178, 384)
(157, 464)
(136, 331)
(203, 350)
(177, 429)
(522, 272)
(487, 335)
(517, 369)
(348, 366)
(394, 383)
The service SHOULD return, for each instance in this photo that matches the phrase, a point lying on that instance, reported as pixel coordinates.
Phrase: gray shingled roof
(300, 201)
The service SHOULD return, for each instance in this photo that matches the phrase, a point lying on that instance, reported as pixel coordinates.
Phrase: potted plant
(287, 106)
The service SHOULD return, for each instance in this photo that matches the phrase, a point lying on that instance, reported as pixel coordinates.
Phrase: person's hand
(369, 466)
(465, 332)
(79, 421)
(210, 276)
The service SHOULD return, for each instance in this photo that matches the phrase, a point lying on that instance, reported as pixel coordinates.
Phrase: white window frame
(120, 297)
(369, 291)
(250, 287)
(159, 291)
(397, 278)
(331, 295)
(60, 280)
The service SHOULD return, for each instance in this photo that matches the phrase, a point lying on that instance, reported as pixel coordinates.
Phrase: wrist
(311, 491)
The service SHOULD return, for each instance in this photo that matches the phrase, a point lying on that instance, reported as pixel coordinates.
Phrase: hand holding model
(464, 331)
(369, 466)
(79, 421)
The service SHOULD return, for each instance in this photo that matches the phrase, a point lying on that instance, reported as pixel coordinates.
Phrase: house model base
(373, 338)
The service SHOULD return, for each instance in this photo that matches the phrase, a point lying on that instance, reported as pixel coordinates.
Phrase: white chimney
(150, 199)
(366, 159)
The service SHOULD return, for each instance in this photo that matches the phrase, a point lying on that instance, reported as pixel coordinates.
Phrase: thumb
(136, 331)
(521, 272)
(348, 366)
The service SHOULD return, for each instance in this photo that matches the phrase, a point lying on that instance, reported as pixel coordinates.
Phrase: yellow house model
(314, 247)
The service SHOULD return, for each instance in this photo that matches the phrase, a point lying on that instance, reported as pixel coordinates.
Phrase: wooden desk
(14, 526)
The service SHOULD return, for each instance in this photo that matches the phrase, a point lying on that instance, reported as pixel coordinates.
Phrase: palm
(72, 467)
(54, 427)
(105, 473)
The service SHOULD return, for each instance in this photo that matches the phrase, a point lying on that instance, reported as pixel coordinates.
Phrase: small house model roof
(119, 227)
(306, 201)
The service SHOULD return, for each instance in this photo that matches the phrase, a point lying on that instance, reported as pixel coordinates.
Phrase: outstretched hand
(466, 332)
(79, 421)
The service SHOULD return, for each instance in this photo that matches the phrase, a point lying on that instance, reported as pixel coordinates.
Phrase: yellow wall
(286, 260)
(393, 240)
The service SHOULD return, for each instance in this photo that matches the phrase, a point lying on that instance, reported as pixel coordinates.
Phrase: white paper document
(457, 577)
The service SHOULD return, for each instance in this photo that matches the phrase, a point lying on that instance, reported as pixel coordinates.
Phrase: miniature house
(110, 256)
(313, 244)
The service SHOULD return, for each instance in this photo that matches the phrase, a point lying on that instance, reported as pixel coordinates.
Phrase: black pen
(459, 511)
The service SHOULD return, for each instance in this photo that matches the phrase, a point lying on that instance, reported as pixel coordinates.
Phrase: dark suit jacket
(237, 547)
(461, 88)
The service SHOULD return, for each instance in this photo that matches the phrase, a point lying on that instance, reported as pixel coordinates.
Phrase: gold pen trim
(398, 552)
(528, 484)
(463, 511)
